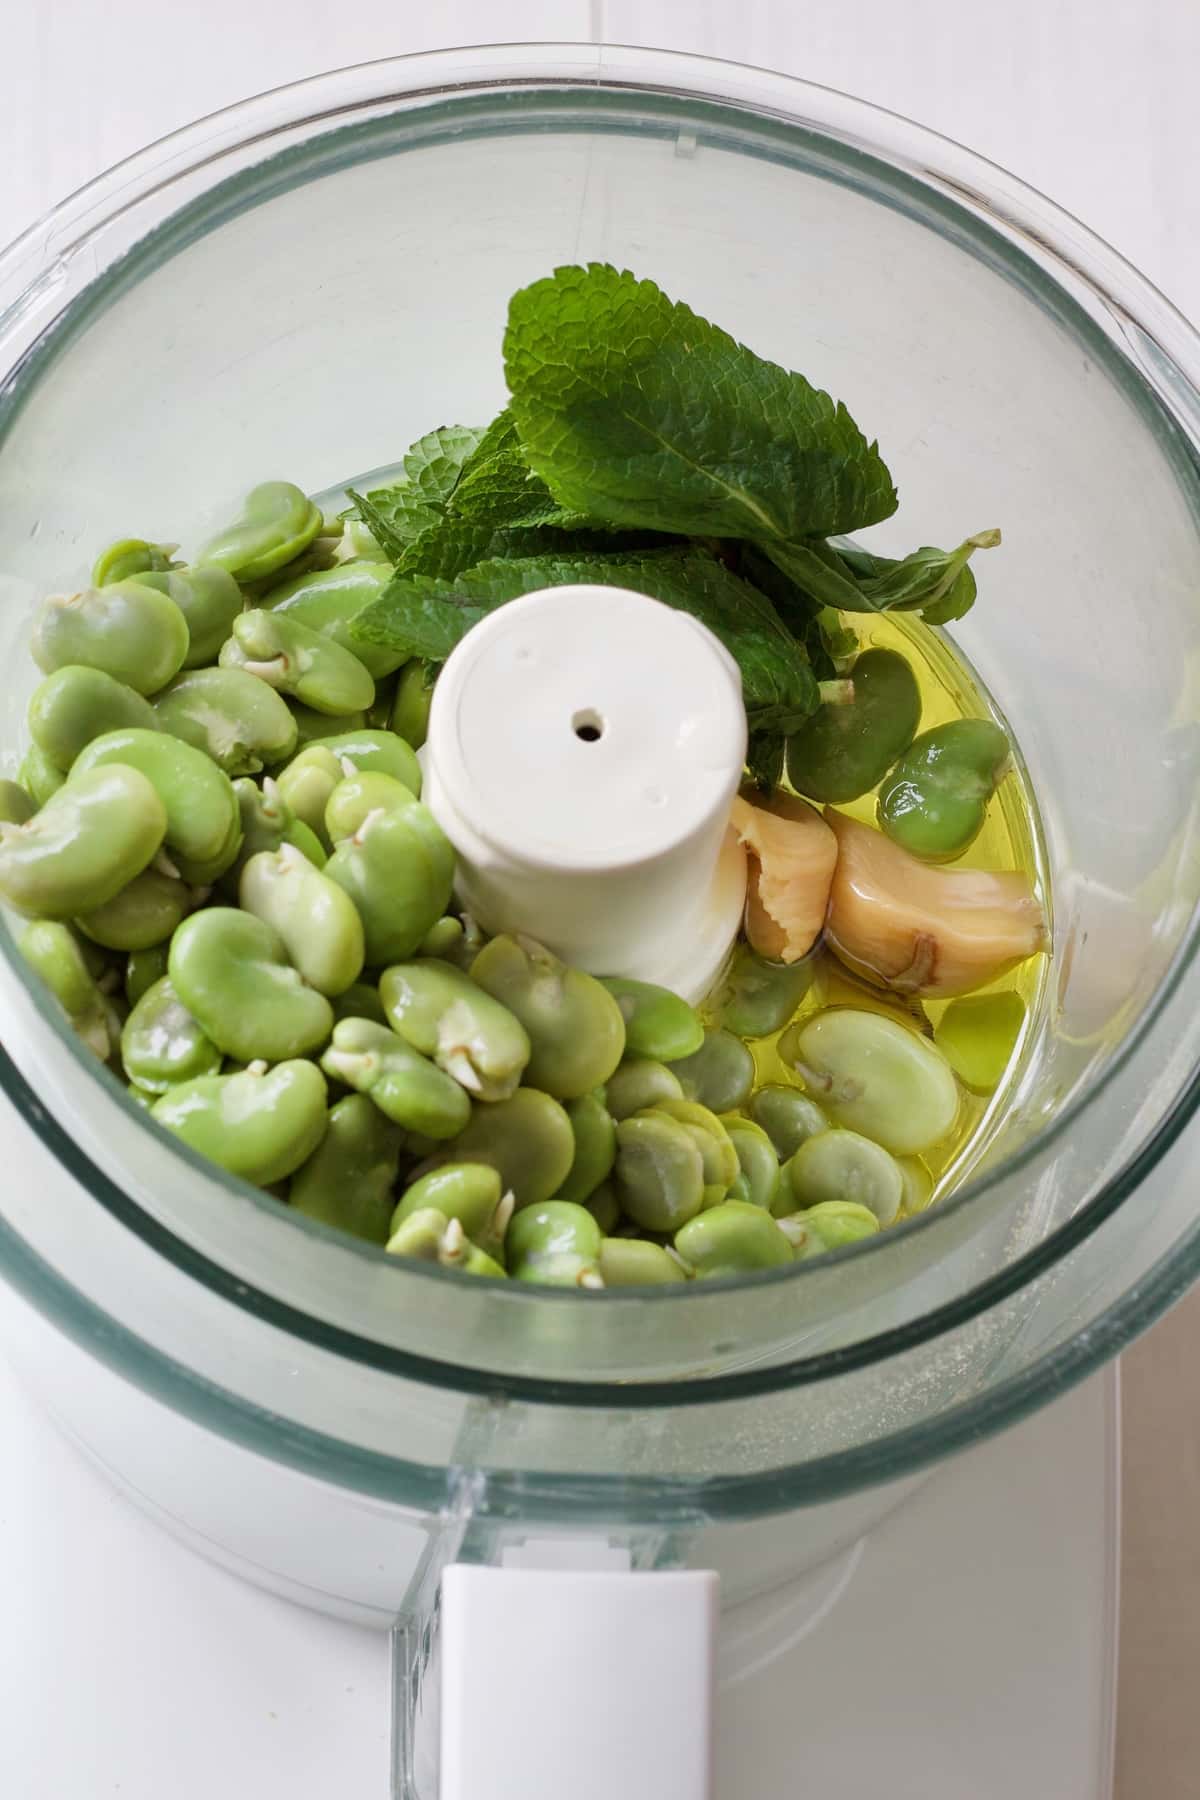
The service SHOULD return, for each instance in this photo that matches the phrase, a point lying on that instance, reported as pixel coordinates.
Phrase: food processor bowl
(297, 288)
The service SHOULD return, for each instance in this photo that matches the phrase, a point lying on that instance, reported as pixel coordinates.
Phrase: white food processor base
(966, 1647)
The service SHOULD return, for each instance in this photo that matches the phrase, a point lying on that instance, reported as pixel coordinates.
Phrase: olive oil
(1011, 838)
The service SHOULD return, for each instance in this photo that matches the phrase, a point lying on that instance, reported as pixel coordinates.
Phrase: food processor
(298, 287)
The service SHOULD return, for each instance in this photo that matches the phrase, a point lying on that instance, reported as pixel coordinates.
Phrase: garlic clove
(792, 853)
(920, 929)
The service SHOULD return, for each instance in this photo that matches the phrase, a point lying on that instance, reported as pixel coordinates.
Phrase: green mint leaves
(643, 447)
(633, 409)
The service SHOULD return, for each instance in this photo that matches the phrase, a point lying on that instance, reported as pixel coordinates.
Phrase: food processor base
(966, 1646)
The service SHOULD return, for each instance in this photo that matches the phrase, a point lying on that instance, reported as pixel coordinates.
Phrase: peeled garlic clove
(791, 863)
(924, 930)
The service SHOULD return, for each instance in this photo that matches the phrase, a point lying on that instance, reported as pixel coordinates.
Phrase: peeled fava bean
(347, 1182)
(556, 1243)
(574, 1023)
(469, 1192)
(209, 599)
(409, 716)
(658, 1024)
(732, 1239)
(757, 1160)
(329, 600)
(143, 914)
(294, 659)
(305, 785)
(278, 522)
(316, 919)
(659, 1171)
(788, 1117)
(875, 1076)
(53, 952)
(262, 1124)
(15, 804)
(381, 751)
(845, 749)
(637, 1083)
(204, 828)
(232, 972)
(357, 796)
(85, 844)
(759, 997)
(446, 1015)
(162, 1043)
(238, 721)
(77, 704)
(402, 1083)
(527, 1139)
(791, 857)
(843, 1165)
(720, 1075)
(127, 630)
(830, 1225)
(718, 1156)
(921, 930)
(595, 1148)
(935, 800)
(39, 776)
(398, 869)
(130, 557)
(635, 1262)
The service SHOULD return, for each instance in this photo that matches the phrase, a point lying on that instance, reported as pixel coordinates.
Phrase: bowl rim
(429, 78)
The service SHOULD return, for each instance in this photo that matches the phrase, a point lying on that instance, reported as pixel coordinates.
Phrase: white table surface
(1092, 101)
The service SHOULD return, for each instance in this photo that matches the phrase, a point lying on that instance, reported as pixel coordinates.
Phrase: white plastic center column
(585, 746)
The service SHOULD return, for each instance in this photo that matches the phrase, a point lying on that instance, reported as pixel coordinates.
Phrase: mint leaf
(435, 462)
(426, 616)
(936, 583)
(391, 518)
(633, 409)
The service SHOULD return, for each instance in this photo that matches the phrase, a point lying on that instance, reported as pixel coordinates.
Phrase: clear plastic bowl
(296, 288)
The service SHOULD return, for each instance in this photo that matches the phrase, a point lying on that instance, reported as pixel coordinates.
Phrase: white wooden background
(1094, 101)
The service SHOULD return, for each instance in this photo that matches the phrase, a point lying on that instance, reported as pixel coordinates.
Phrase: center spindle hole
(588, 725)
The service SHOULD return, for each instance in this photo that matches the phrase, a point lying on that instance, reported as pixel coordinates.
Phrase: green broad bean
(293, 659)
(131, 632)
(402, 1083)
(639, 1082)
(139, 1096)
(239, 722)
(574, 1023)
(267, 821)
(347, 1182)
(313, 727)
(935, 799)
(357, 796)
(874, 1076)
(380, 710)
(232, 972)
(445, 940)
(719, 1158)
(720, 1075)
(420, 1235)
(458, 1252)
(85, 844)
(830, 1225)
(634, 1262)
(360, 1001)
(53, 952)
(409, 716)
(379, 750)
(329, 600)
(209, 599)
(788, 1117)
(261, 1126)
(16, 805)
(556, 1243)
(732, 1239)
(305, 785)
(359, 544)
(978, 1034)
(757, 1160)
(658, 1024)
(758, 997)
(39, 776)
(130, 557)
(204, 830)
(526, 1138)
(77, 704)
(842, 751)
(142, 969)
(604, 1206)
(659, 1171)
(843, 1165)
(315, 918)
(918, 1186)
(143, 914)
(278, 522)
(443, 1013)
(468, 1192)
(398, 869)
(162, 1043)
(595, 1148)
